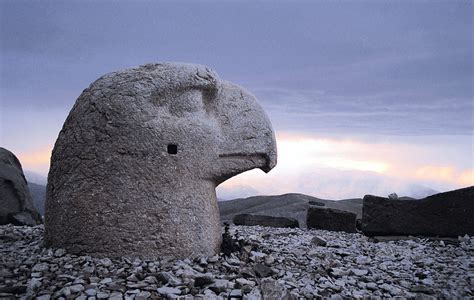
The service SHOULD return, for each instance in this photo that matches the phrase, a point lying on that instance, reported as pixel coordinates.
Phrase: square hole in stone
(172, 149)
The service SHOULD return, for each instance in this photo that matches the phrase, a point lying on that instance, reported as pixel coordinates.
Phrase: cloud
(393, 112)
(339, 168)
(36, 160)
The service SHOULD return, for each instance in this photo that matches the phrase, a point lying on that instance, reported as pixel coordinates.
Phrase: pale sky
(366, 97)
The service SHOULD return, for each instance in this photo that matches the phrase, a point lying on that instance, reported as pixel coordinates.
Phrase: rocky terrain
(291, 205)
(275, 263)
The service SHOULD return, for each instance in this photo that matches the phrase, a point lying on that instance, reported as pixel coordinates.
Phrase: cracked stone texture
(16, 204)
(113, 187)
(448, 214)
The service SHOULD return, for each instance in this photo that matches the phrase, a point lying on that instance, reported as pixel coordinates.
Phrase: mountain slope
(38, 193)
(286, 205)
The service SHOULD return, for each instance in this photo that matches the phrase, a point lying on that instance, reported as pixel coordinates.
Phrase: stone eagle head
(140, 154)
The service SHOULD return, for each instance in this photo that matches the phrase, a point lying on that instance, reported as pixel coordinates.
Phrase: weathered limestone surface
(16, 205)
(330, 219)
(254, 220)
(449, 214)
(134, 169)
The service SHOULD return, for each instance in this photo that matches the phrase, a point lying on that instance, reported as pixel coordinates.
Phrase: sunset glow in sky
(367, 97)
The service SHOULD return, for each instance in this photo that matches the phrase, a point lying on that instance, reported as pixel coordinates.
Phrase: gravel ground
(277, 263)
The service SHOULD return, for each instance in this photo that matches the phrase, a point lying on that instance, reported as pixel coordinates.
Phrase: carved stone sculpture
(16, 205)
(134, 169)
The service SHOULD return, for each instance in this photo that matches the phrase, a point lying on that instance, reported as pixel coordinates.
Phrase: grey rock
(116, 296)
(41, 267)
(272, 289)
(253, 220)
(372, 286)
(316, 203)
(235, 295)
(269, 260)
(16, 204)
(448, 214)
(90, 292)
(394, 291)
(318, 241)
(331, 219)
(106, 262)
(76, 288)
(359, 272)
(106, 280)
(59, 252)
(219, 286)
(34, 284)
(169, 291)
(243, 281)
(168, 278)
(262, 271)
(143, 150)
(203, 280)
(102, 295)
(142, 295)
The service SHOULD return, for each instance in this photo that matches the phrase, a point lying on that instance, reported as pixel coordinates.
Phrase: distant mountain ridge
(291, 205)
(38, 193)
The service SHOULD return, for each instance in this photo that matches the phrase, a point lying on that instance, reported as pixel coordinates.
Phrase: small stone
(102, 295)
(220, 285)
(116, 296)
(42, 267)
(203, 280)
(43, 297)
(169, 291)
(167, 277)
(243, 281)
(394, 291)
(235, 295)
(269, 260)
(76, 288)
(257, 254)
(428, 281)
(213, 259)
(142, 295)
(262, 271)
(317, 241)
(106, 262)
(371, 286)
(90, 292)
(34, 284)
(273, 289)
(422, 289)
(106, 280)
(359, 272)
(59, 252)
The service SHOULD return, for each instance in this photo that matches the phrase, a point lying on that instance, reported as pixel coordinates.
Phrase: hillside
(38, 193)
(286, 205)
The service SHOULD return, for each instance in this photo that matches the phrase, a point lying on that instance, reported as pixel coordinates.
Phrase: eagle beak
(248, 140)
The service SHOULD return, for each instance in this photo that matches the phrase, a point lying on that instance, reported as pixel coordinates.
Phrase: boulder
(270, 221)
(330, 219)
(316, 203)
(449, 214)
(135, 166)
(16, 205)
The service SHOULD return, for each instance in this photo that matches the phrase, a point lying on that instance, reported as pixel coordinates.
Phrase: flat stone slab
(449, 214)
(331, 219)
(270, 221)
